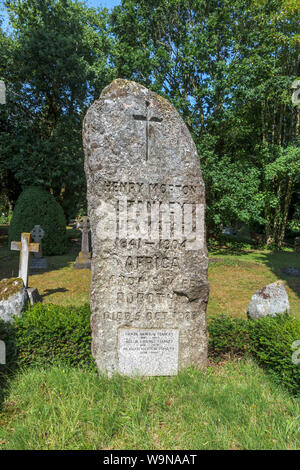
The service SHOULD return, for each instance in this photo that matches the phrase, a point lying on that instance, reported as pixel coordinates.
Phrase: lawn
(234, 276)
(233, 405)
(230, 405)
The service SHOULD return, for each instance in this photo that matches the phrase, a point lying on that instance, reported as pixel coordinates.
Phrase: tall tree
(59, 62)
(227, 65)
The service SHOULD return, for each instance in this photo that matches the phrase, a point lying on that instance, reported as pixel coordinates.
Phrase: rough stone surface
(139, 155)
(13, 298)
(270, 300)
(83, 261)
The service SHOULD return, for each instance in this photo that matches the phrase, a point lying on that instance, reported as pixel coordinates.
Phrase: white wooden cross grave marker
(25, 248)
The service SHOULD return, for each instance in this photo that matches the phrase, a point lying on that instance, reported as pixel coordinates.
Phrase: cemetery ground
(234, 275)
(233, 404)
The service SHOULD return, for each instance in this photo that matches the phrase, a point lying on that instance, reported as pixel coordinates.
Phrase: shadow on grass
(53, 291)
(277, 260)
(273, 260)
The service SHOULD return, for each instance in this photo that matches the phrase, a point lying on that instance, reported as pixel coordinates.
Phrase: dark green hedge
(8, 335)
(52, 334)
(268, 339)
(35, 206)
(228, 335)
(271, 342)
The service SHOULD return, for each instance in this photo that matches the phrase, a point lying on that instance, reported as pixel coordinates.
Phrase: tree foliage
(226, 65)
(58, 64)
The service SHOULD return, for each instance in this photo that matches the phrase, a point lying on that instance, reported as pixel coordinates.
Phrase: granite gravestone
(37, 261)
(83, 260)
(2, 92)
(146, 201)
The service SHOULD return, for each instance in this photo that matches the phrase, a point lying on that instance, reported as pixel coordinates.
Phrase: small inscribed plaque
(148, 351)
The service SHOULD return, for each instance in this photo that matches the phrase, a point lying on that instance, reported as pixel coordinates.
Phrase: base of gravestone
(83, 260)
(38, 263)
(33, 295)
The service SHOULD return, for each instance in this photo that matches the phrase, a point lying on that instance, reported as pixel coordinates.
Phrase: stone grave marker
(146, 203)
(2, 352)
(37, 261)
(83, 260)
(2, 92)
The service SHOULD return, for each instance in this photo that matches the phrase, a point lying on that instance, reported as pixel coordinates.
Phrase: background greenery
(35, 206)
(227, 66)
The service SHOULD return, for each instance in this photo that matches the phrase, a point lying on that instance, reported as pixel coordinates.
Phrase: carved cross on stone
(38, 234)
(148, 121)
(25, 248)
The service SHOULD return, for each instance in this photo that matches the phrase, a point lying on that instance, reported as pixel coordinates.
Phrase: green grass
(234, 275)
(232, 405)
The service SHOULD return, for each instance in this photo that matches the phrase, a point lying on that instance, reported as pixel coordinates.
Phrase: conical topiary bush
(36, 206)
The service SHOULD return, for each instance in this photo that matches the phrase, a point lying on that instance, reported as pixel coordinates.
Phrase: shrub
(227, 335)
(52, 334)
(271, 343)
(35, 206)
(7, 334)
(268, 339)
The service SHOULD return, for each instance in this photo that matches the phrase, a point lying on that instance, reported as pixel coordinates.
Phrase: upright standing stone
(146, 201)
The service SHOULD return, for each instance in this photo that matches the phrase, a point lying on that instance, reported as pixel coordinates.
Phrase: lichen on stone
(120, 87)
(9, 287)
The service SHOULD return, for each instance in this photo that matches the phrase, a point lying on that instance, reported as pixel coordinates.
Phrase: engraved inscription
(134, 188)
